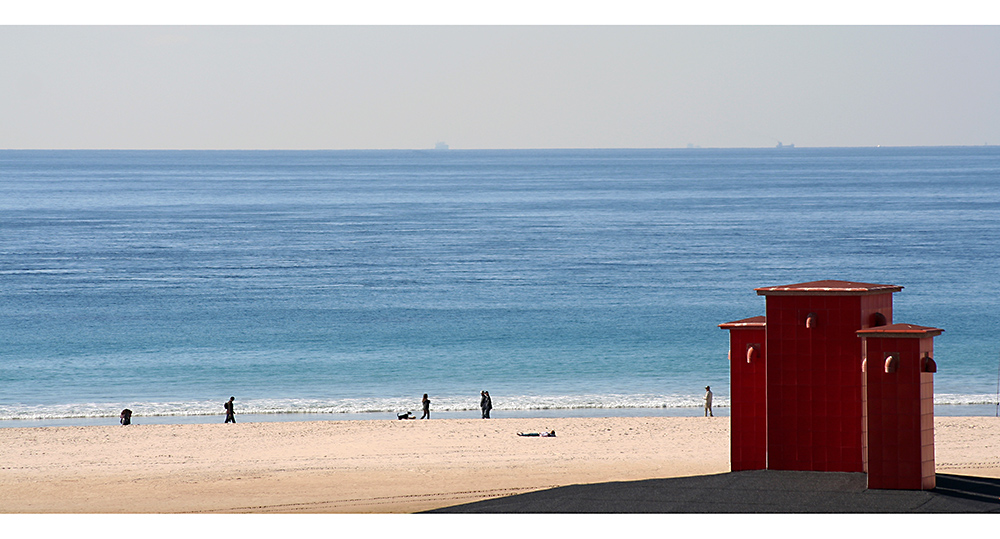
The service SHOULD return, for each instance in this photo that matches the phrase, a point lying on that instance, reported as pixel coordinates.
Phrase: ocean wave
(348, 406)
(522, 403)
(942, 399)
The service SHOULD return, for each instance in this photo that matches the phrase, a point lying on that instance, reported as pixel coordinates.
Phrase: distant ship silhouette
(780, 145)
(440, 146)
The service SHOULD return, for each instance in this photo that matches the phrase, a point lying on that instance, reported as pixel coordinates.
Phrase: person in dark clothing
(708, 401)
(427, 407)
(230, 413)
(126, 417)
(486, 404)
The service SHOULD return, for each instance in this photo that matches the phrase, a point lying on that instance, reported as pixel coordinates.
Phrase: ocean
(346, 284)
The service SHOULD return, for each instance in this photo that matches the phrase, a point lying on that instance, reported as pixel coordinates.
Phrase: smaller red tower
(748, 393)
(898, 390)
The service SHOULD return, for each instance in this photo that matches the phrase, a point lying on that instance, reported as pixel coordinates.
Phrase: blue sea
(346, 284)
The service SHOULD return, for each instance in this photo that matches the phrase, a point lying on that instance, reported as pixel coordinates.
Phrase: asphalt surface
(758, 491)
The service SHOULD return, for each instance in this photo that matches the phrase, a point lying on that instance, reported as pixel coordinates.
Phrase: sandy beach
(376, 466)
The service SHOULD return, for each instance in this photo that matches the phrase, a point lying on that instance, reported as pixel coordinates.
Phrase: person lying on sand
(544, 434)
(407, 415)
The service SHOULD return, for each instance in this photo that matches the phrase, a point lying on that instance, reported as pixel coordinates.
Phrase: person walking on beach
(708, 401)
(427, 407)
(486, 403)
(230, 413)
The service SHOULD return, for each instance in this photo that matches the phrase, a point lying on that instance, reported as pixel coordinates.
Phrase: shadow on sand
(757, 491)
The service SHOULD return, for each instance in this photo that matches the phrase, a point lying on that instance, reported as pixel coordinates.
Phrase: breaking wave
(346, 407)
(349, 406)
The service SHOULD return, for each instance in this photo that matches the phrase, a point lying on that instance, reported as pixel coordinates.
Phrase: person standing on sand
(427, 407)
(708, 401)
(486, 403)
(230, 413)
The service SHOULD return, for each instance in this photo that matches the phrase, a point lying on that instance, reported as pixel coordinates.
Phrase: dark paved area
(759, 491)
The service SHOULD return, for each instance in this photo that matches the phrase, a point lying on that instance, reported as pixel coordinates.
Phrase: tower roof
(900, 330)
(828, 288)
(747, 323)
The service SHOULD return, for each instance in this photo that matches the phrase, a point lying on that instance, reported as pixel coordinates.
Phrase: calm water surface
(349, 283)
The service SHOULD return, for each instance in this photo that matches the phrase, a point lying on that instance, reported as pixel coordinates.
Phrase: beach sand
(376, 466)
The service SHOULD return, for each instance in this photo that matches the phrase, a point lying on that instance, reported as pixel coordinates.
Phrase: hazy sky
(346, 87)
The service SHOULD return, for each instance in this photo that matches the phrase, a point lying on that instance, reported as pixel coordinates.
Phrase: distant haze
(382, 87)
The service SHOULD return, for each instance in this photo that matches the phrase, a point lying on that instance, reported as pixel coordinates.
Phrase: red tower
(748, 396)
(898, 427)
(798, 394)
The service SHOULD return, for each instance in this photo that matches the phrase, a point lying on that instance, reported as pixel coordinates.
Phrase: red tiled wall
(813, 381)
(899, 424)
(928, 474)
(748, 422)
(877, 303)
(870, 306)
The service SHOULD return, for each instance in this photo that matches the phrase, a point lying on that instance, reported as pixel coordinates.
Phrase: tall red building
(800, 399)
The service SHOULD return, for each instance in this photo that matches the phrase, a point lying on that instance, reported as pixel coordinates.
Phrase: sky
(496, 86)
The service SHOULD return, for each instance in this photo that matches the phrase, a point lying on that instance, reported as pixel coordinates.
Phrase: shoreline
(362, 416)
(940, 410)
(377, 466)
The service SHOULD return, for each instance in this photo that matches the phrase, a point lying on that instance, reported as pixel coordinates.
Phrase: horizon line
(451, 149)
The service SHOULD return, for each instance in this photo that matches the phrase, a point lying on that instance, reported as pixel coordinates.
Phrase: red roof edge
(900, 330)
(828, 288)
(747, 323)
